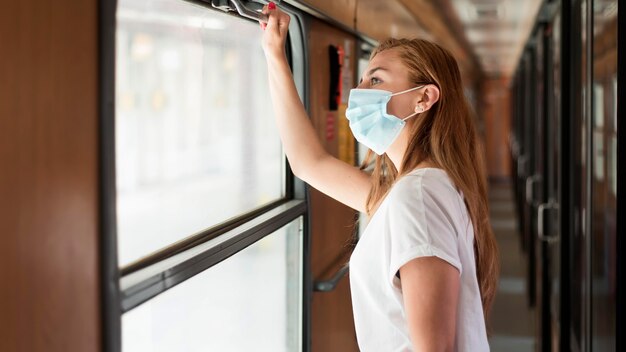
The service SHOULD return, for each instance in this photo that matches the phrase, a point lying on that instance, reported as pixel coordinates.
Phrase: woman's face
(386, 71)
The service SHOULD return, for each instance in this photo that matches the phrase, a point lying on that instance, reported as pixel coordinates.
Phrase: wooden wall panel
(331, 222)
(496, 113)
(384, 19)
(333, 321)
(49, 299)
(341, 11)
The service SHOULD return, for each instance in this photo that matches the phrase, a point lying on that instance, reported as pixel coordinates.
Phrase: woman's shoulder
(427, 188)
(429, 191)
(433, 181)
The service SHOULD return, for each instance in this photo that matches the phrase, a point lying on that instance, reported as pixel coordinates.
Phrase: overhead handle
(251, 11)
(247, 12)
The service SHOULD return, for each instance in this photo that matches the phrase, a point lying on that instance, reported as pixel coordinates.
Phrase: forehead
(389, 60)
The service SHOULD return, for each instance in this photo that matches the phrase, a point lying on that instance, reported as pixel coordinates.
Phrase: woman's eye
(374, 80)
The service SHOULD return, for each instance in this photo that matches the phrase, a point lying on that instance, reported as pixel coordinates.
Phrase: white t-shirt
(422, 215)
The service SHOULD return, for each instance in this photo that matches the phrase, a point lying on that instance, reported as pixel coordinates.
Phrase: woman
(423, 275)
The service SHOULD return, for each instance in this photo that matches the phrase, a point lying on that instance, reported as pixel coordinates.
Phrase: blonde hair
(446, 136)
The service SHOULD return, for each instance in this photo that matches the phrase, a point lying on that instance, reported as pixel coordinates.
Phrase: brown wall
(49, 299)
(332, 325)
(496, 117)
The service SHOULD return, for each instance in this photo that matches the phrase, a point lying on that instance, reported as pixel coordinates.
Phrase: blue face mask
(369, 121)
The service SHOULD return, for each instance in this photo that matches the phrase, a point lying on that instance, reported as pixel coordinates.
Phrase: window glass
(614, 81)
(252, 301)
(195, 137)
(598, 155)
(613, 165)
(603, 201)
(598, 105)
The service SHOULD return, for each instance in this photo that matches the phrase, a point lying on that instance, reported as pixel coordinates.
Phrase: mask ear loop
(408, 90)
(408, 117)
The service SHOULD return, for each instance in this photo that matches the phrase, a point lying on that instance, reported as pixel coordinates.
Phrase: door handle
(530, 182)
(540, 211)
(521, 164)
(329, 285)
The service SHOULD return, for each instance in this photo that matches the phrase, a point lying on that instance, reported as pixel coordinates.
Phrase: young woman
(423, 275)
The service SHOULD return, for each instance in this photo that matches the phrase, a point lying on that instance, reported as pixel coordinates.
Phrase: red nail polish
(271, 5)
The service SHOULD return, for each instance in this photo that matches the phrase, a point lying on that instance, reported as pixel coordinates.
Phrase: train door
(519, 148)
(530, 169)
(536, 190)
(542, 192)
(593, 97)
(548, 229)
(603, 165)
(579, 169)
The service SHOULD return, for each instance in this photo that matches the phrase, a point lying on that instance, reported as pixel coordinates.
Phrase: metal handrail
(329, 285)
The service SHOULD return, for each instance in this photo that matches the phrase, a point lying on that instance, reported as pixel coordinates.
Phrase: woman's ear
(429, 98)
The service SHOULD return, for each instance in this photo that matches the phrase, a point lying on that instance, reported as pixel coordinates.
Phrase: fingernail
(263, 25)
(271, 5)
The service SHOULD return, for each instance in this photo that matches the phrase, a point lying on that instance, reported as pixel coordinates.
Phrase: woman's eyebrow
(376, 69)
(371, 72)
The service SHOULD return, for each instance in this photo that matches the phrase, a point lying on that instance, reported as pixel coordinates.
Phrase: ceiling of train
(496, 30)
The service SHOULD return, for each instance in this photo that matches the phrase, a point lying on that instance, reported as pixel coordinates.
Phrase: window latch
(248, 9)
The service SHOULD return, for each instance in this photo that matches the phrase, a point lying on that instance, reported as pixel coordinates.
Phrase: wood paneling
(331, 222)
(341, 11)
(384, 19)
(495, 108)
(49, 299)
(332, 321)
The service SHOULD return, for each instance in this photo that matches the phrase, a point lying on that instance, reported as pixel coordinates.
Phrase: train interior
(147, 205)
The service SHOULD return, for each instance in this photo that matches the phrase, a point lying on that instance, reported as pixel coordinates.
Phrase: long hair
(445, 134)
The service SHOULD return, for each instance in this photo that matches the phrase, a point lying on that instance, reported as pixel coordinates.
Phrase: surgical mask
(369, 121)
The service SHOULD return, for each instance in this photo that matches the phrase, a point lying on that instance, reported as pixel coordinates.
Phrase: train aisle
(512, 321)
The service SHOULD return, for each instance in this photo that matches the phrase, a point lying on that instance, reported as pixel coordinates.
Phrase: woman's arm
(307, 157)
(430, 287)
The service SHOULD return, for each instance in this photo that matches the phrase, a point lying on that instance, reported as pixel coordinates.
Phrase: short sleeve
(420, 223)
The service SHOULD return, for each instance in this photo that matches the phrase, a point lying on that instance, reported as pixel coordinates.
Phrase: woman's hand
(275, 31)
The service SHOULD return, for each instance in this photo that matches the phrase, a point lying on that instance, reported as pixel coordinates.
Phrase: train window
(613, 165)
(194, 136)
(249, 302)
(612, 162)
(598, 132)
(598, 155)
(614, 86)
(598, 101)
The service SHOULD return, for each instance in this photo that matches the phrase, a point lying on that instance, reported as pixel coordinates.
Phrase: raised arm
(307, 157)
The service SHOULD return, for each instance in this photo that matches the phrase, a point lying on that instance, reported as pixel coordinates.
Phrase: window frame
(124, 288)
